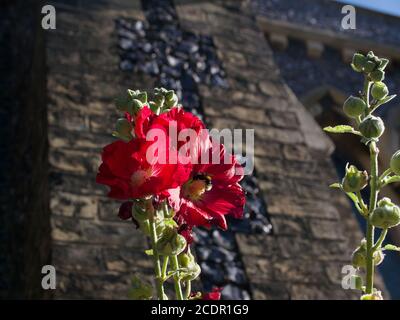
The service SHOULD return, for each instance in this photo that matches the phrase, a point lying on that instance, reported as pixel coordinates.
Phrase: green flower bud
(354, 180)
(358, 62)
(386, 215)
(142, 96)
(372, 127)
(378, 257)
(354, 107)
(185, 260)
(377, 75)
(369, 66)
(123, 130)
(170, 242)
(358, 282)
(137, 105)
(171, 99)
(379, 90)
(395, 162)
(359, 256)
(370, 55)
(191, 269)
(154, 107)
(383, 63)
(377, 295)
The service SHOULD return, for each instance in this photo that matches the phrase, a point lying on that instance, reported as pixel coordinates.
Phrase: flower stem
(164, 267)
(177, 282)
(370, 228)
(188, 289)
(380, 240)
(156, 259)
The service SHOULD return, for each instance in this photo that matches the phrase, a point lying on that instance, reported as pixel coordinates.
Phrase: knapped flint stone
(172, 72)
(235, 274)
(201, 237)
(233, 292)
(125, 44)
(150, 67)
(147, 47)
(224, 239)
(216, 80)
(126, 65)
(216, 254)
(188, 47)
(123, 33)
(173, 61)
(187, 82)
(212, 272)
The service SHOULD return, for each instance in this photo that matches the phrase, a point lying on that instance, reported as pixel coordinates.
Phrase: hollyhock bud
(131, 102)
(372, 127)
(159, 99)
(170, 242)
(359, 256)
(369, 66)
(358, 282)
(379, 90)
(383, 63)
(377, 295)
(171, 99)
(395, 162)
(354, 180)
(386, 215)
(354, 107)
(377, 75)
(359, 61)
(191, 269)
(142, 97)
(123, 130)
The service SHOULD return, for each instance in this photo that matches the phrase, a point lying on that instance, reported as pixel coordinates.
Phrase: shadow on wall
(24, 207)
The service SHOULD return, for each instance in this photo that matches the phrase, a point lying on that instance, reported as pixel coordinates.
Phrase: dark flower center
(197, 186)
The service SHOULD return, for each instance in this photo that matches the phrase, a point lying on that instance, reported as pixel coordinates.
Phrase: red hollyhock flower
(182, 129)
(215, 294)
(211, 192)
(177, 117)
(128, 173)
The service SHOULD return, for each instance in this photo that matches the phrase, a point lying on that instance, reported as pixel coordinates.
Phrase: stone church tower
(298, 234)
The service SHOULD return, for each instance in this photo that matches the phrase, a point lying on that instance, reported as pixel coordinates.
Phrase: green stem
(382, 237)
(385, 173)
(188, 288)
(370, 228)
(164, 267)
(363, 206)
(177, 282)
(156, 260)
(367, 86)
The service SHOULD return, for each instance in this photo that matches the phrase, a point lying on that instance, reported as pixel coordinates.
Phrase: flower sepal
(354, 180)
(170, 242)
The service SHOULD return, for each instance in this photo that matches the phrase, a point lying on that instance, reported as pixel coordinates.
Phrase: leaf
(170, 222)
(391, 179)
(336, 185)
(354, 198)
(391, 247)
(342, 129)
(149, 252)
(386, 100)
